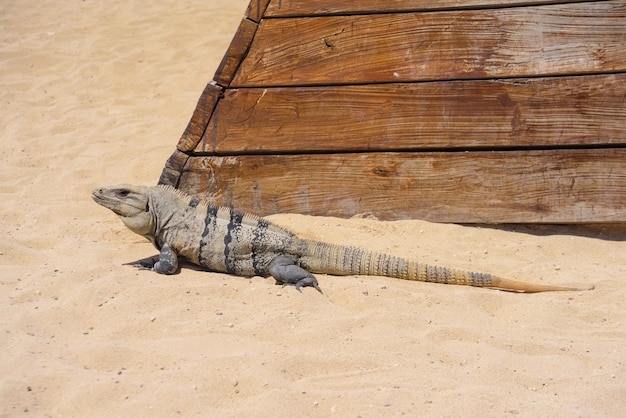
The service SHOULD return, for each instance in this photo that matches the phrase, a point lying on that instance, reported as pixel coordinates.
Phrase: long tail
(343, 260)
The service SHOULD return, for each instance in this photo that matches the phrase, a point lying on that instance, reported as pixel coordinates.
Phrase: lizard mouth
(119, 207)
(107, 203)
(101, 200)
(97, 197)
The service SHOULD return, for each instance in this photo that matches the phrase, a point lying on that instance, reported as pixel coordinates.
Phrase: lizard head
(131, 204)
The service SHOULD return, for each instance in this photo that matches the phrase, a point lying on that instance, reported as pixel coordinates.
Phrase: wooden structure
(472, 111)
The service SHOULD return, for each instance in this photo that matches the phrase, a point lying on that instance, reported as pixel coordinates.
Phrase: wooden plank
(405, 47)
(557, 186)
(256, 9)
(173, 169)
(200, 117)
(291, 8)
(236, 52)
(584, 110)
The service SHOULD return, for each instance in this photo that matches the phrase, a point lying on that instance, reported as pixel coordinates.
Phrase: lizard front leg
(168, 261)
(286, 272)
(165, 263)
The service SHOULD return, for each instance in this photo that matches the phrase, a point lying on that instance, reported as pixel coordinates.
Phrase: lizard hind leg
(286, 272)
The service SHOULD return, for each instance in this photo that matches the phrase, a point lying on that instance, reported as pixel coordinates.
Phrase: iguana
(224, 240)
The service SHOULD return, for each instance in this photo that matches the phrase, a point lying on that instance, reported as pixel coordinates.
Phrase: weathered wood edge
(173, 169)
(236, 52)
(553, 186)
(300, 8)
(200, 117)
(210, 96)
(256, 9)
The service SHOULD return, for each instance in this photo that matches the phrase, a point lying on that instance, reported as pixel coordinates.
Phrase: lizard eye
(123, 193)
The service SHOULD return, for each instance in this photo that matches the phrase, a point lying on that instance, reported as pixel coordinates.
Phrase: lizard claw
(144, 267)
(144, 263)
(306, 282)
(164, 263)
(302, 283)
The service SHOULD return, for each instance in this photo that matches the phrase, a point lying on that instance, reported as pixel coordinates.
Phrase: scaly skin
(223, 240)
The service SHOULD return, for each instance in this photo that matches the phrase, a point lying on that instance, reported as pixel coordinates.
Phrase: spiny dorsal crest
(223, 212)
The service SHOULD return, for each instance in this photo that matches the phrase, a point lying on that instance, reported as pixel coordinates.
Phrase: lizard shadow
(148, 262)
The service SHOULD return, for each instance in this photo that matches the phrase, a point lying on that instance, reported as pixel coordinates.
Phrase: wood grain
(495, 115)
(542, 112)
(558, 186)
(472, 44)
(289, 8)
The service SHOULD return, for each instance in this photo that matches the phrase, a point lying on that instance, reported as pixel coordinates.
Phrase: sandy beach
(98, 93)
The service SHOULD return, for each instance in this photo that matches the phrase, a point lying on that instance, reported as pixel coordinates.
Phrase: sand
(97, 93)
